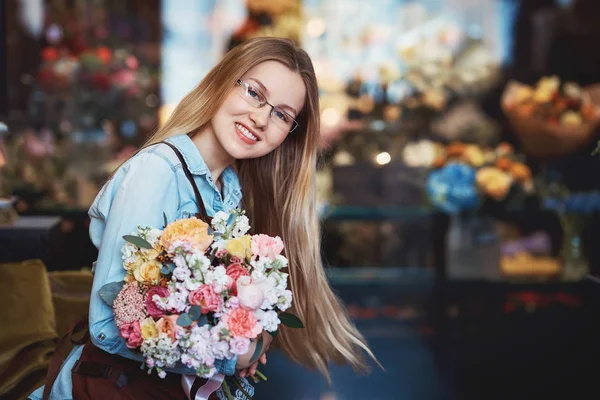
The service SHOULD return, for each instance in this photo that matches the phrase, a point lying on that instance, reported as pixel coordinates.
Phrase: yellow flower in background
(191, 230)
(148, 327)
(240, 247)
(148, 273)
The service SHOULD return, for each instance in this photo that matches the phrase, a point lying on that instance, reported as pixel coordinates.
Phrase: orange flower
(190, 230)
(168, 326)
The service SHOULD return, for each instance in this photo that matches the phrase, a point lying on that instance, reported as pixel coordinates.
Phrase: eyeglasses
(256, 99)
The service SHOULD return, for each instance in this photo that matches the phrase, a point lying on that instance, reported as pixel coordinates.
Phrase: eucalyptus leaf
(165, 220)
(273, 334)
(165, 270)
(257, 351)
(138, 241)
(202, 320)
(195, 312)
(289, 319)
(184, 320)
(108, 293)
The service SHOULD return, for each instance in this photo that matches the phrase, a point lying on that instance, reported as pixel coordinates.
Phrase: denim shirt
(146, 186)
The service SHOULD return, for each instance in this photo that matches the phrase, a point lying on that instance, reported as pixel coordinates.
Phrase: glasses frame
(240, 83)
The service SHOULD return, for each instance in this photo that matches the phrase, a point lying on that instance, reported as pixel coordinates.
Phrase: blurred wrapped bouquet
(553, 117)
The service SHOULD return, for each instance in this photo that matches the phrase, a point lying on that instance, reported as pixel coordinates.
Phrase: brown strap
(59, 356)
(202, 214)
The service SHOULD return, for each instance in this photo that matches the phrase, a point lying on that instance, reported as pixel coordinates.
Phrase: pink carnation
(266, 246)
(151, 307)
(130, 304)
(133, 333)
(206, 298)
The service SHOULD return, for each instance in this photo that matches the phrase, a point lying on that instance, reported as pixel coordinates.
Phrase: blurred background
(458, 186)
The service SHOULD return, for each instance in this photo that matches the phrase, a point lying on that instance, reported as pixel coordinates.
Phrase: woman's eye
(281, 115)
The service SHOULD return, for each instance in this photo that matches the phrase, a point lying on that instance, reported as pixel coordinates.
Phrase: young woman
(251, 126)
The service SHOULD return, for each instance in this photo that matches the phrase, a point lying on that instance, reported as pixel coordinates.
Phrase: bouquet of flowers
(195, 293)
(553, 117)
(465, 173)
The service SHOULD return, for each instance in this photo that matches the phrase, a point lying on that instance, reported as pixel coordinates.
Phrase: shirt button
(101, 337)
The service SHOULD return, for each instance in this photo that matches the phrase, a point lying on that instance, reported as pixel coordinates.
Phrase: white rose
(251, 295)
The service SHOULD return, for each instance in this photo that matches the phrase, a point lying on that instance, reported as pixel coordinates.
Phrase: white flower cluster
(161, 352)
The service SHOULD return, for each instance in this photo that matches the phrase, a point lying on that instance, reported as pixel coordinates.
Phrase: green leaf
(273, 334)
(195, 312)
(184, 320)
(167, 269)
(202, 320)
(165, 220)
(289, 319)
(109, 292)
(138, 241)
(257, 351)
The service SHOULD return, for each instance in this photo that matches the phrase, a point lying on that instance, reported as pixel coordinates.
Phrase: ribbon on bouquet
(203, 392)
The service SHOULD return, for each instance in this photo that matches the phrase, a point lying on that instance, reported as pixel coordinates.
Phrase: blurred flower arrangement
(37, 171)
(98, 68)
(463, 175)
(442, 66)
(552, 117)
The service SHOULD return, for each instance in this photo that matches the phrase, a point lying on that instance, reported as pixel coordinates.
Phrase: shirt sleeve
(144, 189)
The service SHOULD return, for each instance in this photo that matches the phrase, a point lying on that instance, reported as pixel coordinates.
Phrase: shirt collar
(190, 153)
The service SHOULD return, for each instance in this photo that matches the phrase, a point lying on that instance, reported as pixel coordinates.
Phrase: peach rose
(206, 298)
(243, 323)
(235, 270)
(190, 230)
(148, 273)
(168, 326)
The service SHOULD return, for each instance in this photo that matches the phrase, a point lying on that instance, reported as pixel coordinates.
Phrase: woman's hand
(244, 366)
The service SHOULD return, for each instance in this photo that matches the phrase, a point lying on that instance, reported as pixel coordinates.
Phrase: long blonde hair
(280, 199)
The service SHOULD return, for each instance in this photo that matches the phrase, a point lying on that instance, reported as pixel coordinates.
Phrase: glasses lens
(282, 119)
(251, 95)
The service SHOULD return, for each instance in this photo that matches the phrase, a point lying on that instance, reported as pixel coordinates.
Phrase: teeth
(246, 132)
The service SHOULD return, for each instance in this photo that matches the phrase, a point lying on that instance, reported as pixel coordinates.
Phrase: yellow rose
(240, 247)
(148, 327)
(191, 230)
(148, 273)
(149, 254)
(132, 266)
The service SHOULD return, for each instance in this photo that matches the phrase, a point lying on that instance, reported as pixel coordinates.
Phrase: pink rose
(151, 307)
(206, 298)
(239, 345)
(243, 323)
(168, 325)
(235, 271)
(235, 260)
(266, 246)
(250, 294)
(133, 333)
